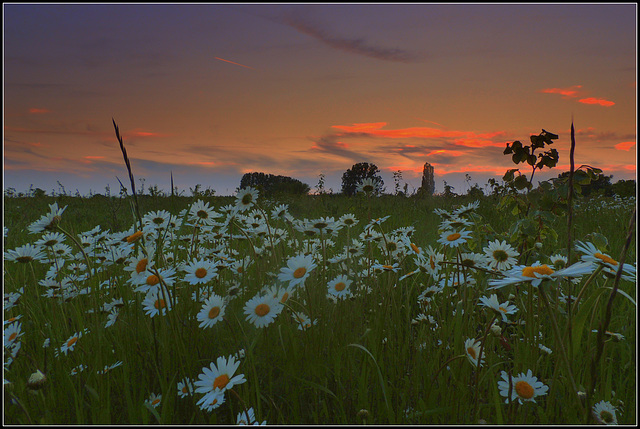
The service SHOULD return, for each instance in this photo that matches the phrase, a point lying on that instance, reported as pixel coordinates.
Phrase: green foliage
(270, 184)
(357, 173)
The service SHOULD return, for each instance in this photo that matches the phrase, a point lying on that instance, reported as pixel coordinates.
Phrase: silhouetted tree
(624, 188)
(428, 183)
(271, 184)
(356, 174)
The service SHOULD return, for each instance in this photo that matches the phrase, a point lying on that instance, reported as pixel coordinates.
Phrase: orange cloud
(600, 101)
(37, 110)
(477, 143)
(445, 152)
(570, 92)
(625, 145)
(140, 133)
(94, 157)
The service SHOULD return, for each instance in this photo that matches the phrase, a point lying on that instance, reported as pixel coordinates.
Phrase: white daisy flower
(472, 349)
(454, 238)
(185, 387)
(503, 309)
(297, 270)
(48, 221)
(246, 197)
(212, 311)
(605, 413)
(217, 379)
(524, 387)
(155, 303)
(199, 271)
(262, 310)
(339, 287)
(500, 255)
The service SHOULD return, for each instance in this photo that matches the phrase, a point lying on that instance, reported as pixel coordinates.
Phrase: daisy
(199, 271)
(78, 369)
(368, 186)
(453, 238)
(70, 344)
(185, 387)
(201, 214)
(304, 322)
(428, 294)
(524, 387)
(211, 401)
(157, 219)
(339, 287)
(297, 269)
(500, 255)
(248, 417)
(558, 261)
(605, 413)
(218, 378)
(246, 197)
(48, 221)
(472, 349)
(50, 238)
(462, 210)
(154, 303)
(261, 310)
(112, 317)
(592, 254)
(280, 211)
(154, 400)
(24, 254)
(212, 311)
(537, 272)
(503, 309)
(12, 334)
(348, 220)
(108, 368)
(150, 281)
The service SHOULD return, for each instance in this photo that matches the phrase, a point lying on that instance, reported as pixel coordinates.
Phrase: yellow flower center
(299, 272)
(262, 310)
(201, 272)
(24, 259)
(606, 416)
(500, 255)
(453, 237)
(540, 269)
(72, 341)
(155, 401)
(284, 298)
(159, 304)
(504, 310)
(340, 286)
(472, 352)
(153, 280)
(13, 336)
(213, 313)
(247, 199)
(221, 381)
(185, 389)
(141, 265)
(388, 267)
(202, 214)
(605, 258)
(524, 390)
(415, 248)
(134, 237)
(432, 262)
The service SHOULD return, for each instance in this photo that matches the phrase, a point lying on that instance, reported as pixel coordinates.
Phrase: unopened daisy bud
(511, 297)
(538, 245)
(37, 380)
(496, 330)
(363, 414)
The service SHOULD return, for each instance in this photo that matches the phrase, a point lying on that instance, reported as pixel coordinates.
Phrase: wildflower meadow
(513, 308)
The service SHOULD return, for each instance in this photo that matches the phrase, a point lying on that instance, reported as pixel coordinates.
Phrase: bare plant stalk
(607, 315)
(128, 164)
(569, 235)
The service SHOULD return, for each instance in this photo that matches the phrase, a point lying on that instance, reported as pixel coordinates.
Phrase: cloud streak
(357, 46)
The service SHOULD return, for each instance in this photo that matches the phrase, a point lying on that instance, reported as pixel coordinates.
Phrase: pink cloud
(570, 92)
(625, 145)
(374, 129)
(600, 101)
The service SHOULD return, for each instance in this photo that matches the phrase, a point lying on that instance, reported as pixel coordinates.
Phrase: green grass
(364, 353)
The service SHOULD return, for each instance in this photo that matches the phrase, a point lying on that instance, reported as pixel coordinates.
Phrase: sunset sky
(209, 92)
